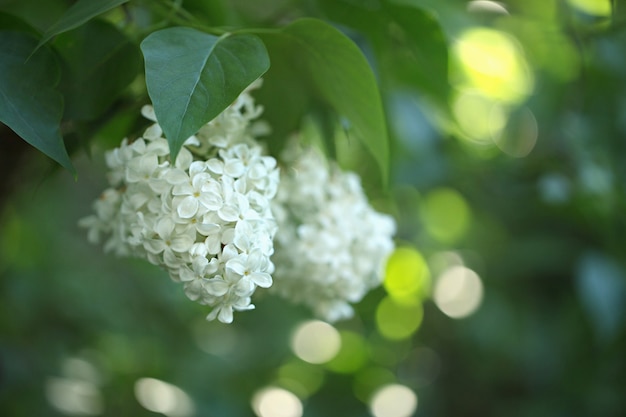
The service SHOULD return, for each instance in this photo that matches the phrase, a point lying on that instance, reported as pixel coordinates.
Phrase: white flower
(197, 196)
(170, 240)
(331, 246)
(206, 219)
(252, 267)
(196, 276)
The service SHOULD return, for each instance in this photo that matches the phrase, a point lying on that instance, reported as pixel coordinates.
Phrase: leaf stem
(172, 13)
(254, 31)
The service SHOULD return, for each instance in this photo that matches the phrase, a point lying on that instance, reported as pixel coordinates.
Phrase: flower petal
(187, 208)
(216, 287)
(184, 239)
(165, 227)
(226, 314)
(147, 111)
(176, 176)
(215, 165)
(236, 265)
(234, 168)
(245, 287)
(154, 246)
(196, 167)
(228, 213)
(153, 132)
(262, 279)
(207, 229)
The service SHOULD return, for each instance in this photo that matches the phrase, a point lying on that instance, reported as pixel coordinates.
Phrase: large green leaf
(38, 14)
(15, 24)
(339, 75)
(286, 97)
(99, 62)
(29, 103)
(79, 13)
(409, 43)
(193, 76)
(416, 51)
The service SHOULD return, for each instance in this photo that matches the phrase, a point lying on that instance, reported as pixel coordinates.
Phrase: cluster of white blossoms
(206, 219)
(331, 245)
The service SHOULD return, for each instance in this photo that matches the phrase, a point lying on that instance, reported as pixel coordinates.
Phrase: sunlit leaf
(99, 63)
(339, 75)
(193, 76)
(79, 13)
(29, 103)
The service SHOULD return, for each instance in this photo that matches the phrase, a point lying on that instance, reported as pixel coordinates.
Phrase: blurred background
(506, 295)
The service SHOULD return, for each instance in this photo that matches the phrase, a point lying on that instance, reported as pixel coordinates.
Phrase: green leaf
(193, 76)
(38, 14)
(341, 77)
(416, 52)
(15, 23)
(79, 13)
(409, 44)
(99, 63)
(285, 96)
(29, 103)
(366, 17)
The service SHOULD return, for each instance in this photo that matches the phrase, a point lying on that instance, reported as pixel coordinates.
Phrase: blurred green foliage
(507, 124)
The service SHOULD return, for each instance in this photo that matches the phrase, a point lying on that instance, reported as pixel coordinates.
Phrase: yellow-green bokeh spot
(407, 277)
(598, 8)
(398, 321)
(492, 62)
(352, 356)
(301, 378)
(446, 215)
(478, 116)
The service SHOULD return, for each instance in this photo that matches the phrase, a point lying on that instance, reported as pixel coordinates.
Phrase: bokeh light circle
(163, 397)
(398, 321)
(276, 402)
(393, 400)
(315, 341)
(458, 292)
(493, 62)
(519, 136)
(446, 215)
(299, 377)
(352, 356)
(406, 275)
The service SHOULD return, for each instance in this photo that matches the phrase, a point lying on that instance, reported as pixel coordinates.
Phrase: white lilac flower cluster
(331, 246)
(206, 219)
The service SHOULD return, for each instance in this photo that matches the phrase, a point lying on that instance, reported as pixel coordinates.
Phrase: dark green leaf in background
(340, 76)
(99, 62)
(409, 43)
(79, 13)
(602, 290)
(417, 51)
(29, 103)
(193, 76)
(38, 14)
(285, 96)
(14, 23)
